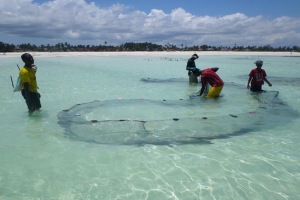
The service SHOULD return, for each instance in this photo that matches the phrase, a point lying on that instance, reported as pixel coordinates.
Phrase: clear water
(38, 160)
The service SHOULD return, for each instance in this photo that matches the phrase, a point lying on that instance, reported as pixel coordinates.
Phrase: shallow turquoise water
(38, 160)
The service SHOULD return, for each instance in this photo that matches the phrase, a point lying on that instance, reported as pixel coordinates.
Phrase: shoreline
(151, 53)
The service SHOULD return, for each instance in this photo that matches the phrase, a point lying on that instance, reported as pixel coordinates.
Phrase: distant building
(17, 49)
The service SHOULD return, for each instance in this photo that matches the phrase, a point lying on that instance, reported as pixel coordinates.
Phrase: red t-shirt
(257, 76)
(209, 76)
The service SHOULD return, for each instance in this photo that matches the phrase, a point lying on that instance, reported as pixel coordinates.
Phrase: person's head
(27, 59)
(259, 63)
(195, 56)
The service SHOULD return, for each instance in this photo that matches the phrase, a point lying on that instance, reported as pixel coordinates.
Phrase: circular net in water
(161, 122)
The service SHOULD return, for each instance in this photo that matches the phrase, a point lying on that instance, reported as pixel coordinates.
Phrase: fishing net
(165, 122)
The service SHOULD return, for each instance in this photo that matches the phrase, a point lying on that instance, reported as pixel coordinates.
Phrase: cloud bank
(77, 20)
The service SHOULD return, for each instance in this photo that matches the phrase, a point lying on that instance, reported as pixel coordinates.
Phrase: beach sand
(153, 53)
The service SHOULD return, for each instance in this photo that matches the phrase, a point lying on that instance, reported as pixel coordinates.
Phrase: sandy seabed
(152, 53)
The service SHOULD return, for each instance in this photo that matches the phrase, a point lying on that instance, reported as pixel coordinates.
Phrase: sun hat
(26, 57)
(259, 62)
(195, 55)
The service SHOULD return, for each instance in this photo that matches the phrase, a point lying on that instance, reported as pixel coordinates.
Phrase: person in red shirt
(211, 77)
(257, 77)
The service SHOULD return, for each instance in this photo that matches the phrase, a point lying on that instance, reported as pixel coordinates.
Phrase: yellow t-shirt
(27, 75)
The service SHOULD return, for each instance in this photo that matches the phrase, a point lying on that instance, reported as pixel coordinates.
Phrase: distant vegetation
(131, 46)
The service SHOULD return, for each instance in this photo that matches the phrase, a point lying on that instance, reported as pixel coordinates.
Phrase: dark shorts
(34, 100)
(256, 88)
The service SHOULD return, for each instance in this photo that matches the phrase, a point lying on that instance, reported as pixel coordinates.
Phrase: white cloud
(66, 20)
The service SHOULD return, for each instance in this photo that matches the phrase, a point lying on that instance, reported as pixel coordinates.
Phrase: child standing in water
(257, 77)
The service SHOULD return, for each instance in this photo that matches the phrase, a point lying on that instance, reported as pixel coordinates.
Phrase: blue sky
(268, 8)
(187, 22)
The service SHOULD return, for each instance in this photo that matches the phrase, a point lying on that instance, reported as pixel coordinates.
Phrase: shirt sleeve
(251, 73)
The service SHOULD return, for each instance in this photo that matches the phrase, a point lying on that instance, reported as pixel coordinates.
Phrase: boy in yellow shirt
(29, 83)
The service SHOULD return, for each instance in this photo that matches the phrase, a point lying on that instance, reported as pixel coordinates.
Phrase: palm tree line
(133, 46)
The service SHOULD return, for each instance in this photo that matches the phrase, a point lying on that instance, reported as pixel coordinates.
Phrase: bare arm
(201, 91)
(249, 82)
(265, 79)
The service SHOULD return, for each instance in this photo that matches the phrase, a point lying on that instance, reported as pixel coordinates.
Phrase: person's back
(190, 66)
(27, 75)
(211, 77)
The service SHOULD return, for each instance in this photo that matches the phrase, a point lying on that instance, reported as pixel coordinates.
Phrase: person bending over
(211, 77)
